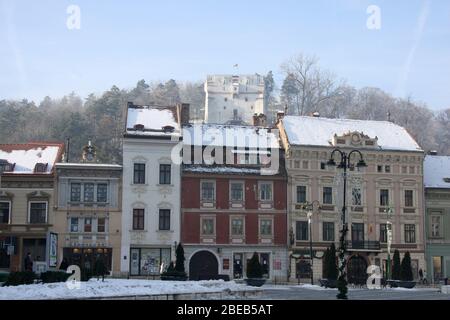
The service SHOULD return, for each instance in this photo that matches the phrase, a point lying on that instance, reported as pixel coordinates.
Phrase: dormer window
(446, 180)
(5, 166)
(40, 167)
(139, 127)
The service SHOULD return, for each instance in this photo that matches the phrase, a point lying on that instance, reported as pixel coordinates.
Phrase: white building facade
(151, 189)
(233, 98)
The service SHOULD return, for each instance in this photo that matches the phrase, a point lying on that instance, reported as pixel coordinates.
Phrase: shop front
(86, 258)
(149, 261)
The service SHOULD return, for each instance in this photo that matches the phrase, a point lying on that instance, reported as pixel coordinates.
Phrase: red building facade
(230, 212)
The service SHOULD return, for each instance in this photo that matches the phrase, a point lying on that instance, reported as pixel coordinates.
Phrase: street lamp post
(309, 207)
(388, 212)
(344, 163)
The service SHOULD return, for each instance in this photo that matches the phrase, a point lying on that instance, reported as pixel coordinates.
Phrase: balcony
(358, 245)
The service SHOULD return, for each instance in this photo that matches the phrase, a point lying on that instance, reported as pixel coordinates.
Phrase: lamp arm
(351, 152)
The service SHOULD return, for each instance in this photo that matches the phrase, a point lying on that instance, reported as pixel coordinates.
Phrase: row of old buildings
(227, 188)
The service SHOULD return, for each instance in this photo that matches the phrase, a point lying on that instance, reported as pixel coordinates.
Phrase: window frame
(236, 182)
(409, 234)
(138, 218)
(104, 225)
(405, 202)
(79, 193)
(331, 194)
(9, 211)
(71, 219)
(84, 192)
(97, 192)
(441, 231)
(305, 223)
(142, 170)
(297, 193)
(205, 218)
(236, 235)
(264, 235)
(260, 189)
(380, 202)
(29, 211)
(213, 182)
(333, 233)
(165, 176)
(164, 219)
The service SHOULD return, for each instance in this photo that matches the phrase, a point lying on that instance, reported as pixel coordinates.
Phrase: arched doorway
(203, 265)
(357, 270)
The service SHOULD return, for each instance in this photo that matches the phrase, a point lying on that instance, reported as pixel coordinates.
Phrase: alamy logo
(227, 147)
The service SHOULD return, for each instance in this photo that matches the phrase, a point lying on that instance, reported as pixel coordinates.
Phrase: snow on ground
(115, 288)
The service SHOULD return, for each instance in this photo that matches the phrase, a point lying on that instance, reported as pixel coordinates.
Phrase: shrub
(254, 268)
(3, 276)
(172, 274)
(396, 271)
(179, 263)
(406, 269)
(54, 276)
(19, 278)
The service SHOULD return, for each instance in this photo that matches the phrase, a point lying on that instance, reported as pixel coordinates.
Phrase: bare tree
(307, 87)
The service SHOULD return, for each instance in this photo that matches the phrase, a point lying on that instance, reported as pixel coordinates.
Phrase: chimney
(184, 113)
(432, 153)
(130, 104)
(259, 120)
(280, 115)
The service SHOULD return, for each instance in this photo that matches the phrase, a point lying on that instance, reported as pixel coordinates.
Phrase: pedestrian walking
(28, 262)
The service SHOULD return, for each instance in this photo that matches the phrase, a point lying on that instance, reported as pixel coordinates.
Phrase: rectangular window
(409, 198)
(383, 232)
(358, 232)
(404, 169)
(384, 197)
(328, 231)
(305, 164)
(301, 194)
(138, 219)
(164, 219)
(207, 226)
(301, 230)
(387, 169)
(379, 168)
(323, 166)
(410, 233)
(327, 195)
(74, 225)
(75, 192)
(87, 224)
(265, 192)
(296, 164)
(237, 191)
(38, 212)
(412, 170)
(265, 227)
(164, 173)
(102, 192)
(208, 192)
(139, 173)
(436, 226)
(101, 224)
(4, 212)
(237, 227)
(356, 197)
(88, 192)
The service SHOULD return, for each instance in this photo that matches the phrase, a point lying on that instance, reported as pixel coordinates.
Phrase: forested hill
(100, 118)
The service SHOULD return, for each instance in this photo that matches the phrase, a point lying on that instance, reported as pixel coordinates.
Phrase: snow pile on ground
(116, 288)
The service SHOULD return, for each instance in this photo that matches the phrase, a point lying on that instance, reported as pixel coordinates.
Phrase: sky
(46, 50)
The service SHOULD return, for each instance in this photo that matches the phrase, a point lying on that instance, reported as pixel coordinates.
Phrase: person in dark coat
(28, 262)
(64, 264)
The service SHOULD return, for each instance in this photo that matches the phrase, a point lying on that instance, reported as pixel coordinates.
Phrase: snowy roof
(317, 131)
(230, 136)
(436, 171)
(25, 156)
(153, 120)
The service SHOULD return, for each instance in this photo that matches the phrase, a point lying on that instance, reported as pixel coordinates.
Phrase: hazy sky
(120, 42)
